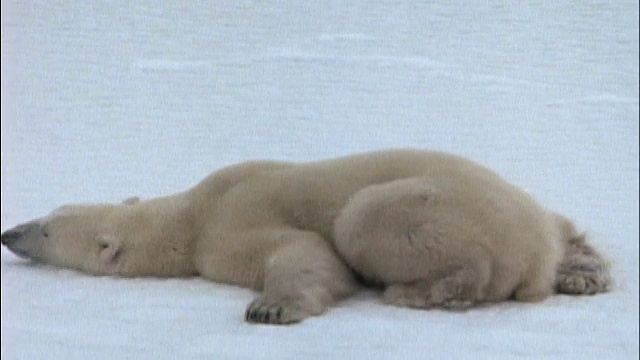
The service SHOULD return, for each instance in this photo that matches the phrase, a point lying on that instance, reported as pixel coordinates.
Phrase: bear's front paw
(263, 311)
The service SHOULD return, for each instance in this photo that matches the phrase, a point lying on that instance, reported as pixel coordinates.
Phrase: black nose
(10, 236)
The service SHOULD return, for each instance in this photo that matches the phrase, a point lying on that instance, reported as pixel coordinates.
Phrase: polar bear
(432, 230)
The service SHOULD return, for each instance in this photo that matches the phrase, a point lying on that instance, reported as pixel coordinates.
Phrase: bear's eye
(45, 233)
(103, 246)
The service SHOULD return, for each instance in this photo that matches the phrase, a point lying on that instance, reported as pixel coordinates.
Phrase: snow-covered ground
(103, 100)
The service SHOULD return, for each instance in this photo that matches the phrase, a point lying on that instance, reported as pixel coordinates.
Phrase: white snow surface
(103, 100)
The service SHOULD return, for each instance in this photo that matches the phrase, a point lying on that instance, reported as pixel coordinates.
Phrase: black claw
(271, 314)
(252, 315)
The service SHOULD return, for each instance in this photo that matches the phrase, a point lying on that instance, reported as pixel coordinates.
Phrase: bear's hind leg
(458, 290)
(537, 283)
(303, 277)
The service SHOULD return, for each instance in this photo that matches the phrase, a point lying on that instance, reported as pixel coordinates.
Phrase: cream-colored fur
(433, 229)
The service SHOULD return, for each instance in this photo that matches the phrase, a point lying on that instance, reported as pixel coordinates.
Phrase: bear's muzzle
(17, 238)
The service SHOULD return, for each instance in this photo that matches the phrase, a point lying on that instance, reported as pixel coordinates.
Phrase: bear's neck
(170, 227)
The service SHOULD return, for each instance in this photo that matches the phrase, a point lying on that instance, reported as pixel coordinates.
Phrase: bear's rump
(412, 229)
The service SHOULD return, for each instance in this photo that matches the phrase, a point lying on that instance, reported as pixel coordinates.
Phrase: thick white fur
(433, 229)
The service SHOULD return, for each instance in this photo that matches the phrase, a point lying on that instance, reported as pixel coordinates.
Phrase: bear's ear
(109, 248)
(131, 201)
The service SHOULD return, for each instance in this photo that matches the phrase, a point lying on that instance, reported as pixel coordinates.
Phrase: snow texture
(102, 100)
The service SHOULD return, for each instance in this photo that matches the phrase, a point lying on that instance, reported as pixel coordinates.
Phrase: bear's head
(114, 239)
(69, 237)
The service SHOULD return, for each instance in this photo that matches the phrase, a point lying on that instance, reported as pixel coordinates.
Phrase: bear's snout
(11, 236)
(16, 239)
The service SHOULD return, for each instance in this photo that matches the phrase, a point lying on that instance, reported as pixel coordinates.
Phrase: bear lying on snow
(433, 230)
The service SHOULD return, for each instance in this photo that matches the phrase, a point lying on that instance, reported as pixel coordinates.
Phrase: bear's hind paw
(583, 279)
